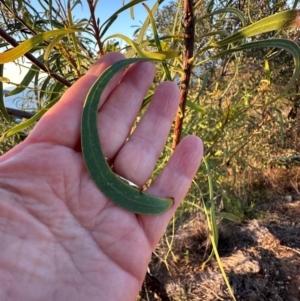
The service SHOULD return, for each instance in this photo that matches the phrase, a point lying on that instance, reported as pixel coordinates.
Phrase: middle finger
(119, 111)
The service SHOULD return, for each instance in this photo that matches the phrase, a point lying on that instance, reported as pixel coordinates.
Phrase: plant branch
(19, 113)
(16, 17)
(34, 33)
(262, 123)
(95, 26)
(33, 59)
(188, 50)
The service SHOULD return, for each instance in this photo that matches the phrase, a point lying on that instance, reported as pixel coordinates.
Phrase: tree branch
(16, 17)
(95, 26)
(19, 113)
(188, 50)
(33, 59)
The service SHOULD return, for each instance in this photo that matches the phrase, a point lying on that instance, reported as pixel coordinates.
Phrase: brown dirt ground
(261, 259)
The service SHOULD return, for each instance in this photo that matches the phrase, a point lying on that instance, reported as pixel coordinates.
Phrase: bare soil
(260, 256)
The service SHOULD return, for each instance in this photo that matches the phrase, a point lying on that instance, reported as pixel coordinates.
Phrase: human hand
(60, 237)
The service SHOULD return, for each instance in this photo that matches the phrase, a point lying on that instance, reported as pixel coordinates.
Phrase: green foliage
(243, 91)
(12, 141)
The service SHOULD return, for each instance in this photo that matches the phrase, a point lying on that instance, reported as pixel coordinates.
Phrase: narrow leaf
(130, 4)
(228, 10)
(268, 72)
(25, 124)
(156, 55)
(228, 216)
(25, 81)
(44, 88)
(157, 41)
(111, 21)
(4, 79)
(203, 87)
(56, 92)
(73, 36)
(285, 19)
(49, 48)
(15, 53)
(146, 43)
(132, 12)
(147, 22)
(288, 45)
(195, 107)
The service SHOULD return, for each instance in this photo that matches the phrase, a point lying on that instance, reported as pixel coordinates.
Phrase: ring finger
(137, 158)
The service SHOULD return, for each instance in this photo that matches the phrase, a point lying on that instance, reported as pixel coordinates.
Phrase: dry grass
(261, 259)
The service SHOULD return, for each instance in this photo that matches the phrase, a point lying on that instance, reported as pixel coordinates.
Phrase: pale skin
(60, 237)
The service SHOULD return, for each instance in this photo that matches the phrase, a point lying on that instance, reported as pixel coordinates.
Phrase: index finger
(61, 124)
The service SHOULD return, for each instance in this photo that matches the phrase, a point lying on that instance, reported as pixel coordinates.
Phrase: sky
(124, 22)
(124, 25)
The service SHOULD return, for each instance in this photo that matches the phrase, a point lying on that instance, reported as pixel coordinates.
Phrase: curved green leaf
(285, 19)
(288, 45)
(114, 187)
(228, 10)
(49, 48)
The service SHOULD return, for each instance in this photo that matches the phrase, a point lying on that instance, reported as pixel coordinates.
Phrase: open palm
(60, 237)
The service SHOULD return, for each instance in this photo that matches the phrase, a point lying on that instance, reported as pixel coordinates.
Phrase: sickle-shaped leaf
(227, 10)
(49, 48)
(288, 45)
(285, 19)
(127, 197)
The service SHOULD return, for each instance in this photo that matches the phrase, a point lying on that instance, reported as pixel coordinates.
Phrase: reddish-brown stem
(95, 26)
(188, 49)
